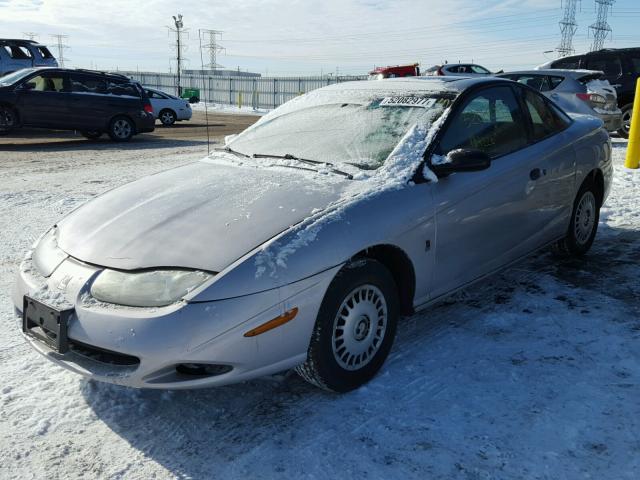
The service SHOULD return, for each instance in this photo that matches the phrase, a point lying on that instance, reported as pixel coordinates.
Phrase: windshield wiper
(288, 156)
(231, 150)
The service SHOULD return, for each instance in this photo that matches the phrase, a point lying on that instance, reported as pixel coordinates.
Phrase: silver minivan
(19, 54)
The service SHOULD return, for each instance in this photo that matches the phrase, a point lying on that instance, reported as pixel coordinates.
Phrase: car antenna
(204, 89)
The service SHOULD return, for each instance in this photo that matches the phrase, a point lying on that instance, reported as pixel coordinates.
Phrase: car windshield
(11, 78)
(358, 133)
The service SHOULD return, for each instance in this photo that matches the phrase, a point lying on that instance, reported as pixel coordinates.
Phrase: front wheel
(584, 223)
(8, 120)
(354, 329)
(121, 129)
(627, 110)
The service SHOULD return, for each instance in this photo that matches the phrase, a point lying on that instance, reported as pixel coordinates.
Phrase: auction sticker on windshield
(424, 102)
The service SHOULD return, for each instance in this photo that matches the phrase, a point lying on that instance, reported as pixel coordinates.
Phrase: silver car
(457, 70)
(18, 54)
(302, 241)
(169, 109)
(576, 91)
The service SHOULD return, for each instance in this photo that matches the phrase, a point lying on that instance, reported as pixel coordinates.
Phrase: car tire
(584, 223)
(194, 99)
(8, 119)
(91, 134)
(346, 350)
(627, 110)
(167, 117)
(121, 129)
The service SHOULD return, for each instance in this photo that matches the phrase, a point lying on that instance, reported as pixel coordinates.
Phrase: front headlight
(155, 288)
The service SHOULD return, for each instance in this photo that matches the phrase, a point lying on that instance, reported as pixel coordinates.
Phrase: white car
(169, 109)
(457, 70)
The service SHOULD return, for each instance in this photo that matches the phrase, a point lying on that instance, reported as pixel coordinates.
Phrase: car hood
(204, 215)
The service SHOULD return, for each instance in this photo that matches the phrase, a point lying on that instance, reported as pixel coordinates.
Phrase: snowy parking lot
(534, 373)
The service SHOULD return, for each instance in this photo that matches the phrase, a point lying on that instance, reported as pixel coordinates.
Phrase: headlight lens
(155, 288)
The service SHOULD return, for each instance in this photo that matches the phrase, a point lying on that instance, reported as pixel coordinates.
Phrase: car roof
(413, 84)
(578, 73)
(118, 76)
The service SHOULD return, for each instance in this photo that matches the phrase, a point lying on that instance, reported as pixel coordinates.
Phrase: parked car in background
(457, 70)
(380, 73)
(90, 102)
(405, 190)
(621, 67)
(167, 108)
(19, 54)
(575, 91)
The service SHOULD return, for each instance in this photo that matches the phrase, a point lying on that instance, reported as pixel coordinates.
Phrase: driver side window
(491, 121)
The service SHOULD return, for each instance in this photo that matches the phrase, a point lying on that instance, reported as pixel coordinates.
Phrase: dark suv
(90, 102)
(621, 66)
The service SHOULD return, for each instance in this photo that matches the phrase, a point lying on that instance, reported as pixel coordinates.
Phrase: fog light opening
(202, 369)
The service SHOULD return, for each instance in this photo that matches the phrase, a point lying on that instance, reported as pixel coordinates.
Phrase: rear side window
(156, 95)
(611, 66)
(635, 63)
(554, 82)
(490, 121)
(18, 53)
(122, 89)
(479, 69)
(87, 84)
(545, 120)
(570, 63)
(44, 51)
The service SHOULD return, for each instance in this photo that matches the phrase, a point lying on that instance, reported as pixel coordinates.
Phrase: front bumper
(142, 347)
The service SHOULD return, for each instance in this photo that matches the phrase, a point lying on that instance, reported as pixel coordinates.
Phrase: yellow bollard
(633, 149)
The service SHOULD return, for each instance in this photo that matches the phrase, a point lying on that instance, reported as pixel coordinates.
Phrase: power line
(568, 27)
(61, 46)
(601, 28)
(213, 47)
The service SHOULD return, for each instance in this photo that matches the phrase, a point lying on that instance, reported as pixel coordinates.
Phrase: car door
(42, 100)
(482, 218)
(159, 101)
(88, 101)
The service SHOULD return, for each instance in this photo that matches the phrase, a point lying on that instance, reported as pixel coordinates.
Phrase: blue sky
(302, 37)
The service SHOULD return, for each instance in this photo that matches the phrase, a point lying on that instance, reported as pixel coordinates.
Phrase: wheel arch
(399, 264)
(596, 177)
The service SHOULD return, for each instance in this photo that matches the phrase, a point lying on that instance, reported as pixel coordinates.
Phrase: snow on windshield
(355, 128)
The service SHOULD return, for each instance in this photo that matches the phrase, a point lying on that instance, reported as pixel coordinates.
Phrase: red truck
(379, 73)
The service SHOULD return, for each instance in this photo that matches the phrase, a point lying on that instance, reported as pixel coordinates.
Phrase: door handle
(535, 174)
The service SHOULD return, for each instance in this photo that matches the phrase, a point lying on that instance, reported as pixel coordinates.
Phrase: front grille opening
(202, 369)
(101, 355)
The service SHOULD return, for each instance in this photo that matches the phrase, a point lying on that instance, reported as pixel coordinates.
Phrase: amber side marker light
(271, 324)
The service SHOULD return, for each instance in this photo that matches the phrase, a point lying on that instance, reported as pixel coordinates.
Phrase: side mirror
(460, 160)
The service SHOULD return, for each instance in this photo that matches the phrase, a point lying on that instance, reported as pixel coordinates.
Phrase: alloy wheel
(122, 129)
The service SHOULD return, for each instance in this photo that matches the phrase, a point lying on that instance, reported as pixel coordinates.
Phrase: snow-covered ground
(533, 374)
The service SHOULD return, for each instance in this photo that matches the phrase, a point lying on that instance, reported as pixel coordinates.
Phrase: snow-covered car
(575, 91)
(303, 240)
(169, 109)
(457, 70)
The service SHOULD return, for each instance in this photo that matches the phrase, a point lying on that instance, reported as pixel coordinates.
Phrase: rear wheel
(121, 129)
(355, 328)
(8, 119)
(627, 110)
(167, 117)
(584, 223)
(91, 134)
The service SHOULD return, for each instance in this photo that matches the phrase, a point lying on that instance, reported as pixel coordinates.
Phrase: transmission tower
(568, 27)
(212, 46)
(601, 28)
(59, 39)
(30, 35)
(179, 47)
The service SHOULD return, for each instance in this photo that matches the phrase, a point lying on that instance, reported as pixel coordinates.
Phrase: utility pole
(30, 35)
(568, 27)
(213, 47)
(179, 47)
(601, 28)
(59, 39)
